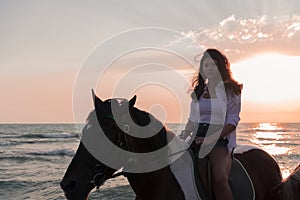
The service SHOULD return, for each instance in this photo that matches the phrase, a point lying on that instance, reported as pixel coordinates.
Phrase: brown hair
(222, 62)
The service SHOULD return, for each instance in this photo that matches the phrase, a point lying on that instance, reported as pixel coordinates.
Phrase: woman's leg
(221, 160)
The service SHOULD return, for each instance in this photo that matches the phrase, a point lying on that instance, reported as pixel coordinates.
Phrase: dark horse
(85, 172)
(290, 187)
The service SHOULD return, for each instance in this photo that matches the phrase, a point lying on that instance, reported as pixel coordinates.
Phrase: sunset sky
(53, 53)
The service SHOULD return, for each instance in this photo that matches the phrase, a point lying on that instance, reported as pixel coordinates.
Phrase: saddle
(239, 180)
(194, 174)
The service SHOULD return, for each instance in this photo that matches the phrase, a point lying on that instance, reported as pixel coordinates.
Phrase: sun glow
(269, 78)
(268, 127)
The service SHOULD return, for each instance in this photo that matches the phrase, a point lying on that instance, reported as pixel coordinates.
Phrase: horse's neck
(155, 185)
(156, 141)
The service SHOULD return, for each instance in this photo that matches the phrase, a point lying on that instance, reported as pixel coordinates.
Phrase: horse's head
(86, 172)
(115, 118)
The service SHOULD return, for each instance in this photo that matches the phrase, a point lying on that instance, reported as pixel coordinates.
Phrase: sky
(53, 53)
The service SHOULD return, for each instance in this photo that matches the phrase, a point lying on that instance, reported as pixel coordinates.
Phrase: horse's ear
(132, 101)
(97, 101)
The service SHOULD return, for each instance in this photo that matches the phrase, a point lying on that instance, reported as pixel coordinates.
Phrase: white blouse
(211, 111)
(225, 109)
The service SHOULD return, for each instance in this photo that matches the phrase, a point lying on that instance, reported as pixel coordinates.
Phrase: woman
(214, 116)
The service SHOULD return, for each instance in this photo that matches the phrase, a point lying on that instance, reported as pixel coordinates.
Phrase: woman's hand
(208, 139)
(184, 134)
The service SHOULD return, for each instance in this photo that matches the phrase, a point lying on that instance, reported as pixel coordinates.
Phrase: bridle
(100, 176)
(101, 171)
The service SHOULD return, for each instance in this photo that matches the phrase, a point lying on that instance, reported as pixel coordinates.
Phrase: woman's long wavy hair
(222, 62)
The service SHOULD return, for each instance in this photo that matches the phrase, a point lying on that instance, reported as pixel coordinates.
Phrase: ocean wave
(8, 143)
(22, 159)
(15, 183)
(50, 135)
(57, 152)
(12, 158)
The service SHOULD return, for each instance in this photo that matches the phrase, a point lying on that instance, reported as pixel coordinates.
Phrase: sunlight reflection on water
(285, 173)
(268, 127)
(275, 150)
(272, 135)
(272, 138)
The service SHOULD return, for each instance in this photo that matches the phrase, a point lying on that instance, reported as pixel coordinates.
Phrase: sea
(34, 157)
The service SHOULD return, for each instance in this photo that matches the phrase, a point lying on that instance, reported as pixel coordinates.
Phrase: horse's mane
(141, 118)
(92, 117)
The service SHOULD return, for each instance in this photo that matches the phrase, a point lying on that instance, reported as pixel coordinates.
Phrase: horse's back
(262, 169)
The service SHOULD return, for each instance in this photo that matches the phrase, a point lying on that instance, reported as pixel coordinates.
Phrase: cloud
(243, 37)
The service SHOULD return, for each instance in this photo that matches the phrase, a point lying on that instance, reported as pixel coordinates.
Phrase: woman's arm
(227, 129)
(189, 127)
(193, 118)
(233, 109)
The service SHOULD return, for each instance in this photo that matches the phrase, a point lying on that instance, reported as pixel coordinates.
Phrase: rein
(97, 181)
(100, 176)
